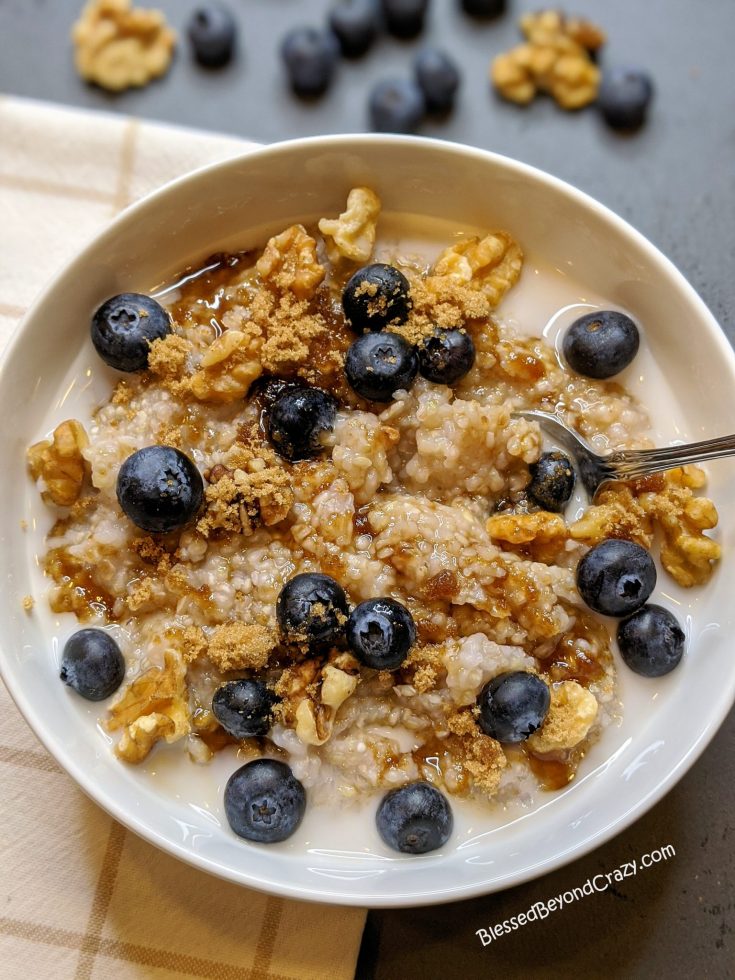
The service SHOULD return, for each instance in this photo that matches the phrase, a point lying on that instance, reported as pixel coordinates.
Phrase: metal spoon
(626, 464)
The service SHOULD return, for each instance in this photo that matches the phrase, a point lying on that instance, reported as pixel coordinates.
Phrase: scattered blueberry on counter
(312, 608)
(297, 420)
(355, 24)
(513, 706)
(92, 664)
(244, 708)
(124, 327)
(159, 488)
(600, 344)
(380, 633)
(415, 819)
(651, 641)
(446, 356)
(624, 97)
(438, 78)
(616, 577)
(379, 364)
(483, 8)
(310, 56)
(396, 105)
(375, 296)
(264, 801)
(212, 32)
(405, 18)
(552, 481)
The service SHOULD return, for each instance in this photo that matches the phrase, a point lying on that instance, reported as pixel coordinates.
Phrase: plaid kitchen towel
(80, 896)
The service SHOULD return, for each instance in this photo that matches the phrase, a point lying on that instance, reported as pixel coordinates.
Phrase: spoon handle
(633, 463)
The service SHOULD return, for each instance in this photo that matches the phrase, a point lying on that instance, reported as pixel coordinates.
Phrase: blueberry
(513, 706)
(244, 708)
(438, 78)
(624, 97)
(552, 481)
(297, 419)
(379, 364)
(268, 388)
(484, 8)
(404, 18)
(212, 31)
(312, 609)
(125, 326)
(651, 641)
(446, 356)
(375, 296)
(414, 819)
(355, 24)
(396, 105)
(92, 664)
(159, 488)
(310, 56)
(380, 633)
(601, 344)
(616, 577)
(264, 801)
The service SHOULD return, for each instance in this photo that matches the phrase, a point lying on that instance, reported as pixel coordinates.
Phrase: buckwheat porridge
(338, 549)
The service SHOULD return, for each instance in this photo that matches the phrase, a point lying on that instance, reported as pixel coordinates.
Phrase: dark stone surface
(675, 181)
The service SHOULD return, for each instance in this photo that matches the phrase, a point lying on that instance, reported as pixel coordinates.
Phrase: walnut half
(353, 232)
(60, 463)
(491, 264)
(289, 263)
(312, 694)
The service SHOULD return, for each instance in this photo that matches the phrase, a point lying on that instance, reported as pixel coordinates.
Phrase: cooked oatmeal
(421, 499)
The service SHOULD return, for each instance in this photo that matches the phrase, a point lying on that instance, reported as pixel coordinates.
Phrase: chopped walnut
(311, 695)
(153, 706)
(60, 464)
(555, 59)
(240, 646)
(257, 491)
(119, 46)
(491, 264)
(289, 263)
(522, 528)
(28, 603)
(627, 511)
(572, 713)
(353, 232)
(228, 368)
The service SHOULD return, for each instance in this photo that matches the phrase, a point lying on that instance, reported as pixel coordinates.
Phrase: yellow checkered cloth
(80, 896)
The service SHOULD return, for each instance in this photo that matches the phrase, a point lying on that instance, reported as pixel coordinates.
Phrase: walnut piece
(290, 264)
(119, 46)
(60, 464)
(228, 368)
(572, 713)
(491, 264)
(555, 58)
(311, 695)
(153, 706)
(353, 232)
(625, 511)
(523, 528)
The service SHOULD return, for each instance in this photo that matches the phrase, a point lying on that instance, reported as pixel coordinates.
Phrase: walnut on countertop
(119, 46)
(60, 463)
(353, 233)
(555, 58)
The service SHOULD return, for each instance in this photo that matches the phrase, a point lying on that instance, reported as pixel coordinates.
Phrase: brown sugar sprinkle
(240, 646)
(466, 757)
(423, 667)
(444, 302)
(168, 356)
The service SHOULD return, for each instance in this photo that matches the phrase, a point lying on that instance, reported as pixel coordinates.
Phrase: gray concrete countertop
(675, 182)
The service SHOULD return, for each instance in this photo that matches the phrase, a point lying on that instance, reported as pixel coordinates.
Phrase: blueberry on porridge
(323, 542)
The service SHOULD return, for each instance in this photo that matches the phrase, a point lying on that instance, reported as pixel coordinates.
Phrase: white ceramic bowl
(667, 723)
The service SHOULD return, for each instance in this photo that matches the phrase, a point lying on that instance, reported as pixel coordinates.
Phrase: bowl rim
(723, 699)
